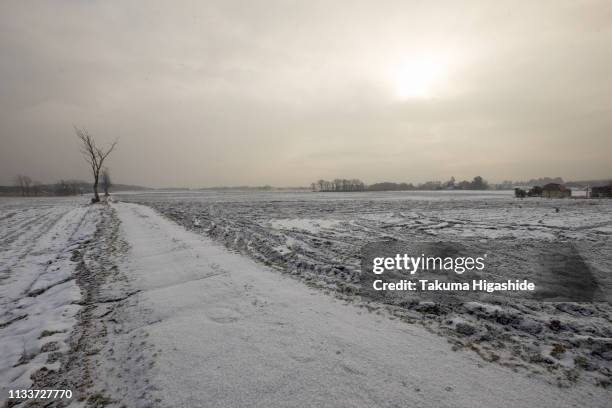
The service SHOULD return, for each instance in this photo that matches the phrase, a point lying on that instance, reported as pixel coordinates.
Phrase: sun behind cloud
(419, 77)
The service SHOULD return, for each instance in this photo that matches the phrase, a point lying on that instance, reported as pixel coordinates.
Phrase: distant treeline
(26, 187)
(477, 183)
(542, 181)
(262, 188)
(342, 185)
(339, 185)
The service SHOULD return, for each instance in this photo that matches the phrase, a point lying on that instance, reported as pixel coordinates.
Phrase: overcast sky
(286, 92)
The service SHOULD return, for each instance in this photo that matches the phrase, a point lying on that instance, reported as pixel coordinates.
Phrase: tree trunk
(95, 190)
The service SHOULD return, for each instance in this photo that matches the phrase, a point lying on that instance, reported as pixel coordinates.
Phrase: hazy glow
(419, 77)
(234, 92)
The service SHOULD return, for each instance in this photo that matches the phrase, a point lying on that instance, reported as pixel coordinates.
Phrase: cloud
(211, 93)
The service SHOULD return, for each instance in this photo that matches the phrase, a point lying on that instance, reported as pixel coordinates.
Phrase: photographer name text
(427, 285)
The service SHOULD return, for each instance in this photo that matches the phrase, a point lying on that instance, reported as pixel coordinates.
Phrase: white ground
(319, 237)
(37, 288)
(233, 333)
(177, 320)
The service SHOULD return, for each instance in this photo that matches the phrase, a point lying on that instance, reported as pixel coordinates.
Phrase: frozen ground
(38, 292)
(318, 236)
(229, 332)
(127, 308)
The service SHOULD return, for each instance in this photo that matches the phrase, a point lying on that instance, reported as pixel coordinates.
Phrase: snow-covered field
(256, 302)
(318, 237)
(39, 244)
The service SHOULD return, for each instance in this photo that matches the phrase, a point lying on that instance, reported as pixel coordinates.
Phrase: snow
(482, 307)
(232, 332)
(240, 299)
(37, 293)
(318, 238)
(312, 226)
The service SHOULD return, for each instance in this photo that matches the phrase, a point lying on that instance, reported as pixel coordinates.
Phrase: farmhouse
(554, 190)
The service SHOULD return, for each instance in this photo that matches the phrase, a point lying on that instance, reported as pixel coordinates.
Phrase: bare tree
(321, 184)
(27, 181)
(106, 181)
(94, 156)
(24, 183)
(341, 185)
(337, 185)
(19, 183)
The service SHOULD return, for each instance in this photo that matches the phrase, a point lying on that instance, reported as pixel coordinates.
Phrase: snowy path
(232, 333)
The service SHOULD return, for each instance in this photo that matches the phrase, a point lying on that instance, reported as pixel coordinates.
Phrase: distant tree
(27, 183)
(336, 185)
(357, 185)
(451, 183)
(464, 185)
(106, 181)
(67, 187)
(321, 184)
(389, 186)
(479, 184)
(339, 185)
(431, 185)
(19, 183)
(542, 181)
(505, 185)
(24, 183)
(94, 156)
